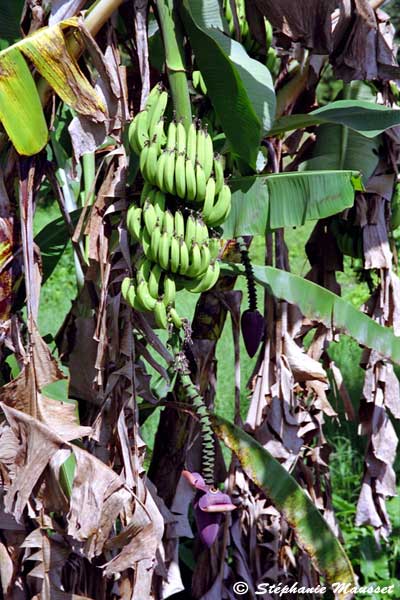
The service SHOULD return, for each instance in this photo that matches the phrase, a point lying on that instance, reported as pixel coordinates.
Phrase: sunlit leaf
(287, 200)
(312, 531)
(20, 108)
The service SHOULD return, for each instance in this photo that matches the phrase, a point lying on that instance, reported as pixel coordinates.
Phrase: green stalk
(89, 176)
(172, 37)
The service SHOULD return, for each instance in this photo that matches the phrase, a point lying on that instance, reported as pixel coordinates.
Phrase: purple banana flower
(252, 323)
(209, 504)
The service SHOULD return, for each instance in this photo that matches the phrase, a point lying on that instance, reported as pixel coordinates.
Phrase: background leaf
(318, 303)
(339, 147)
(240, 88)
(287, 200)
(52, 241)
(290, 499)
(10, 16)
(368, 118)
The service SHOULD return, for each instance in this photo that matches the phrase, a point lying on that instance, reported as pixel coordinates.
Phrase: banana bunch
(184, 193)
(180, 164)
(244, 35)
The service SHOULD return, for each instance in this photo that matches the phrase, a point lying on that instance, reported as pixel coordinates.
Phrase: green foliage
(375, 564)
(240, 88)
(286, 494)
(287, 199)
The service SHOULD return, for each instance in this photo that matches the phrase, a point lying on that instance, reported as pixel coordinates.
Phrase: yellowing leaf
(20, 109)
(48, 51)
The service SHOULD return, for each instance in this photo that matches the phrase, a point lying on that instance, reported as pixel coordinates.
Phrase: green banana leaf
(52, 241)
(339, 147)
(367, 118)
(312, 531)
(318, 303)
(240, 88)
(263, 202)
(20, 107)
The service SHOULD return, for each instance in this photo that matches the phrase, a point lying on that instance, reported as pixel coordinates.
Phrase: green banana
(133, 142)
(191, 143)
(171, 136)
(169, 290)
(159, 179)
(144, 296)
(190, 180)
(150, 166)
(149, 216)
(194, 269)
(145, 241)
(159, 203)
(158, 111)
(143, 270)
(200, 146)
(153, 97)
(179, 225)
(125, 285)
(146, 193)
(163, 250)
(155, 240)
(218, 173)
(154, 281)
(221, 208)
(131, 298)
(205, 257)
(175, 318)
(201, 231)
(143, 157)
(159, 137)
(140, 131)
(169, 172)
(190, 230)
(175, 254)
(180, 138)
(180, 175)
(168, 223)
(206, 282)
(209, 199)
(198, 82)
(160, 315)
(208, 155)
(134, 221)
(201, 183)
(183, 257)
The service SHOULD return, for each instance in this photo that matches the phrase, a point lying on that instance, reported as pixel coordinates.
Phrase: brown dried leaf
(98, 496)
(377, 254)
(303, 367)
(36, 445)
(367, 50)
(6, 569)
(308, 22)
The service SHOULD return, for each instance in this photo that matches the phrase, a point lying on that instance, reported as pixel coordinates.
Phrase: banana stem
(172, 39)
(89, 176)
